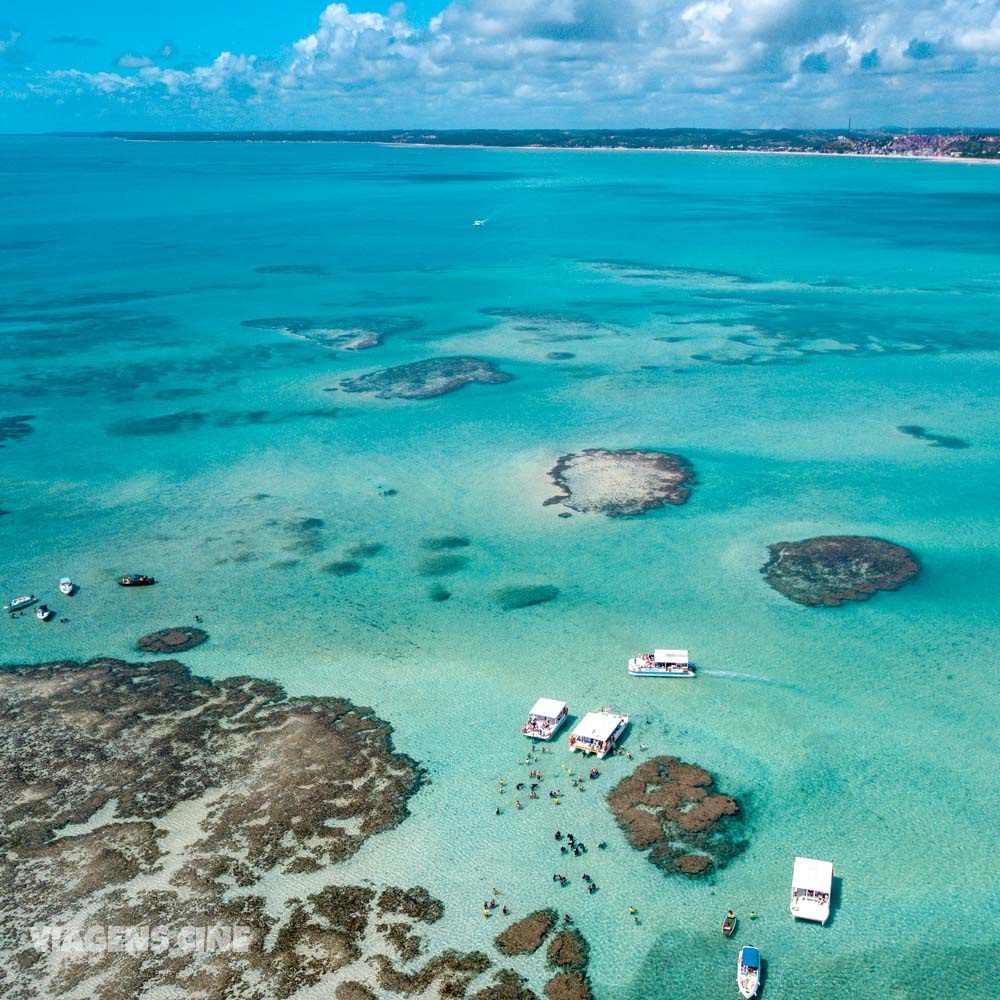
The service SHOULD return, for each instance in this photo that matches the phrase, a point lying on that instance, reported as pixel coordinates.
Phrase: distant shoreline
(933, 144)
(537, 148)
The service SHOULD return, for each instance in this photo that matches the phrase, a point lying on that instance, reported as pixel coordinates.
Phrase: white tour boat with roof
(748, 971)
(812, 882)
(66, 586)
(545, 718)
(661, 663)
(598, 732)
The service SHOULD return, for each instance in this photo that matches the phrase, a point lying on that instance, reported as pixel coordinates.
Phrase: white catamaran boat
(812, 882)
(598, 732)
(546, 716)
(748, 971)
(661, 663)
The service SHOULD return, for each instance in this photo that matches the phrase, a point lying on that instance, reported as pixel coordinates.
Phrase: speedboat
(729, 924)
(66, 586)
(20, 602)
(136, 580)
(43, 612)
(748, 971)
(479, 222)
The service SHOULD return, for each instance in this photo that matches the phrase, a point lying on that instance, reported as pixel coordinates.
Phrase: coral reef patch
(512, 598)
(831, 569)
(442, 543)
(340, 333)
(173, 640)
(622, 483)
(305, 269)
(934, 440)
(670, 809)
(98, 760)
(525, 937)
(426, 379)
(15, 428)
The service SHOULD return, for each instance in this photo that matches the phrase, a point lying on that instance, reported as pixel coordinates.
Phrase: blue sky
(505, 63)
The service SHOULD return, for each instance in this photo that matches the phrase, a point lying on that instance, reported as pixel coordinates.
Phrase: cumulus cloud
(129, 60)
(532, 62)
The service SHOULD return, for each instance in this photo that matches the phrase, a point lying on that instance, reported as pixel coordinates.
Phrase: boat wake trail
(731, 675)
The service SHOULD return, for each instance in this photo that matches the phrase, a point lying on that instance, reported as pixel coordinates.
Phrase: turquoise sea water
(774, 319)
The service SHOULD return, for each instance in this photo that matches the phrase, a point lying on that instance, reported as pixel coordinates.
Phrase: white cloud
(129, 60)
(526, 62)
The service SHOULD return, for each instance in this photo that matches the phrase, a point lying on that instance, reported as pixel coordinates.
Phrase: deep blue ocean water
(775, 319)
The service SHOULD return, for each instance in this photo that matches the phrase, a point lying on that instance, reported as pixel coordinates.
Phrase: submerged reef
(621, 483)
(138, 796)
(426, 379)
(512, 598)
(15, 428)
(669, 808)
(308, 269)
(340, 333)
(831, 569)
(173, 640)
(934, 440)
(99, 760)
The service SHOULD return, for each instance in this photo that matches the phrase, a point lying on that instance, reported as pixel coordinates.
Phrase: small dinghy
(67, 586)
(136, 580)
(748, 972)
(43, 612)
(20, 602)
(729, 924)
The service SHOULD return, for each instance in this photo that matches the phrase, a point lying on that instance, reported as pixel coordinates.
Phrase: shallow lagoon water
(168, 438)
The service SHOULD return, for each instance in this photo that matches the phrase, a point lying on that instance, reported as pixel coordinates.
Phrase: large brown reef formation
(136, 795)
(622, 483)
(830, 569)
(670, 808)
(179, 639)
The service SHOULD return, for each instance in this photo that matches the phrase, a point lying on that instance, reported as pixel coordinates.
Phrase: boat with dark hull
(136, 580)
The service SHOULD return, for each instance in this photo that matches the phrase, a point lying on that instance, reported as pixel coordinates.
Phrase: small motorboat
(43, 612)
(136, 580)
(67, 586)
(20, 602)
(748, 971)
(729, 924)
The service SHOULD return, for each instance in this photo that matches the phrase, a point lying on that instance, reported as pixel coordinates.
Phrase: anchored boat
(661, 663)
(20, 602)
(545, 718)
(136, 580)
(598, 732)
(812, 882)
(66, 586)
(43, 612)
(729, 924)
(748, 971)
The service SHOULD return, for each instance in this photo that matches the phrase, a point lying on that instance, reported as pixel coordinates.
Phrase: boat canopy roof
(812, 874)
(65, 579)
(597, 726)
(548, 708)
(670, 656)
(751, 958)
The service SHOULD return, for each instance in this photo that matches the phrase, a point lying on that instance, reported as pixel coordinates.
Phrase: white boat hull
(659, 673)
